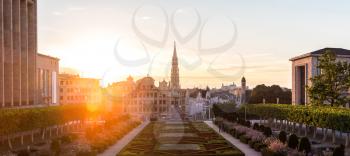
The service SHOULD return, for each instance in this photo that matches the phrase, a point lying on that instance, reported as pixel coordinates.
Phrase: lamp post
(245, 113)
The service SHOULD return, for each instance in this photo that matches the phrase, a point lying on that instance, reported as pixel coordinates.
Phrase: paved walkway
(243, 147)
(116, 148)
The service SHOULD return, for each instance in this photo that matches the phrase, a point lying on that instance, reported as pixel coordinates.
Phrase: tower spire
(175, 53)
(174, 82)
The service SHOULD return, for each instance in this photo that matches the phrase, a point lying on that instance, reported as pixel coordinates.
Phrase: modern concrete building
(47, 80)
(304, 67)
(77, 90)
(18, 50)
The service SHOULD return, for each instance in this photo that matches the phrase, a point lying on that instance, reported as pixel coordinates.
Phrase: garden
(286, 129)
(61, 130)
(179, 138)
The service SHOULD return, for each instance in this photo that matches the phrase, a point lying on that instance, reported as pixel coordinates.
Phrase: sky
(218, 42)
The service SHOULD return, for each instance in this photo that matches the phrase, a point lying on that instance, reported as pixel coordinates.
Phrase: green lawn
(188, 138)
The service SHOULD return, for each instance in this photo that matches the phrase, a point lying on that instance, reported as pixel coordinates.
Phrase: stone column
(32, 50)
(8, 68)
(2, 103)
(24, 53)
(16, 45)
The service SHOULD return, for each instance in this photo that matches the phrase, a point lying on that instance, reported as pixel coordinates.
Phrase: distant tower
(130, 79)
(175, 82)
(244, 83)
(243, 92)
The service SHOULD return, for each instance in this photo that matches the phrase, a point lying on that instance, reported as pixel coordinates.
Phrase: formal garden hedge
(318, 116)
(20, 120)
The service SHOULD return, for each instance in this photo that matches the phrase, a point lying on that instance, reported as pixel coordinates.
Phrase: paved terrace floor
(116, 148)
(243, 147)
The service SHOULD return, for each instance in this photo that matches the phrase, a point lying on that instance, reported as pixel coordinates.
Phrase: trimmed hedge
(318, 116)
(20, 120)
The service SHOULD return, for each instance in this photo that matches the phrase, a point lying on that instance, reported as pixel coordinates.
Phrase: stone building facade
(77, 90)
(239, 93)
(18, 52)
(143, 97)
(304, 67)
(47, 80)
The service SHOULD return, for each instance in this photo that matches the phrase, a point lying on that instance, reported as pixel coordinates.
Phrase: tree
(305, 145)
(293, 141)
(332, 83)
(270, 94)
(282, 136)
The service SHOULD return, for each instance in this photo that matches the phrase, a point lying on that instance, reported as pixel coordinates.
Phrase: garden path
(116, 148)
(243, 147)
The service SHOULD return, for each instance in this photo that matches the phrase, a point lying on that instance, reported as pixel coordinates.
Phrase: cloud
(146, 18)
(57, 13)
(69, 9)
(76, 8)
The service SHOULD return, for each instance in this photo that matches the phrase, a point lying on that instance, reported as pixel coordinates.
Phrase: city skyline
(80, 33)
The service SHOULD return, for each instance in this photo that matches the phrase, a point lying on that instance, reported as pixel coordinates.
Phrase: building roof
(55, 58)
(337, 51)
(223, 95)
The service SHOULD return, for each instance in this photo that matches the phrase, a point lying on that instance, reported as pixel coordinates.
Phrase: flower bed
(205, 141)
(259, 138)
(97, 137)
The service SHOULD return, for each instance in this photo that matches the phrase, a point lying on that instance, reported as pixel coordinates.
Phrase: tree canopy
(331, 86)
(270, 94)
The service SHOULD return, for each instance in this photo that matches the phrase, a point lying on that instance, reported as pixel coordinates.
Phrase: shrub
(318, 115)
(277, 147)
(86, 153)
(305, 145)
(261, 128)
(244, 139)
(259, 146)
(56, 146)
(339, 151)
(293, 141)
(255, 136)
(267, 132)
(24, 153)
(251, 143)
(256, 126)
(282, 136)
(269, 140)
(248, 124)
(267, 152)
(66, 139)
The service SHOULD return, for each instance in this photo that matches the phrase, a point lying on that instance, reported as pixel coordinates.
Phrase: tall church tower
(175, 82)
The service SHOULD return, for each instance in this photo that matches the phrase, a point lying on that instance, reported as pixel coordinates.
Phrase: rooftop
(337, 51)
(48, 56)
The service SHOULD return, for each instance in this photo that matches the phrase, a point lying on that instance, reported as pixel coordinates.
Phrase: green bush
(251, 143)
(56, 146)
(24, 153)
(248, 124)
(259, 146)
(339, 151)
(267, 152)
(282, 136)
(304, 145)
(238, 135)
(319, 116)
(20, 120)
(267, 131)
(262, 128)
(293, 141)
(86, 153)
(244, 139)
(256, 126)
